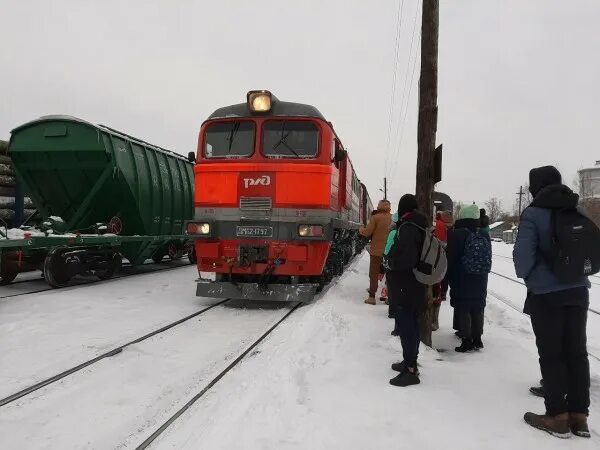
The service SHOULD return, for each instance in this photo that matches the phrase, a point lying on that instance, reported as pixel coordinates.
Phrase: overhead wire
(398, 28)
(405, 100)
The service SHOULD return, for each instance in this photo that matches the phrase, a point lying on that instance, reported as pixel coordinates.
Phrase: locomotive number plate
(254, 231)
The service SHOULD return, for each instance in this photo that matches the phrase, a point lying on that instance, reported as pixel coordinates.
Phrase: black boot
(408, 377)
(466, 346)
(477, 344)
(538, 391)
(399, 366)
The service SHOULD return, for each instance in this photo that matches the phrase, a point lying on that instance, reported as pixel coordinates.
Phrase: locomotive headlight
(201, 228)
(310, 230)
(259, 101)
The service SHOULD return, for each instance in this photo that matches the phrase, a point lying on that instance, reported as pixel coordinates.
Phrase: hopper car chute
(101, 195)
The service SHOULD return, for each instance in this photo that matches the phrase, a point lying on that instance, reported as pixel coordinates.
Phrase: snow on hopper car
(103, 193)
(278, 203)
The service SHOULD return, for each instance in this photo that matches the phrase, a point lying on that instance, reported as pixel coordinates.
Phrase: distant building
(498, 228)
(589, 190)
(589, 182)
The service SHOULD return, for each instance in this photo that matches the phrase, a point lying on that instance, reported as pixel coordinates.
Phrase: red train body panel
(278, 203)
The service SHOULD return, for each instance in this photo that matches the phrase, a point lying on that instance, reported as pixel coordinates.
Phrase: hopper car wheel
(158, 257)
(174, 251)
(114, 265)
(56, 272)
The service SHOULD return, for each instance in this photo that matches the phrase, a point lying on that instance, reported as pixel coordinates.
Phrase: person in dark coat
(468, 291)
(408, 295)
(558, 311)
(484, 221)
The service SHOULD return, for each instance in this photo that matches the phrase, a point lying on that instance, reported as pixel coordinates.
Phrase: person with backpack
(377, 230)
(407, 294)
(469, 263)
(557, 247)
(416, 259)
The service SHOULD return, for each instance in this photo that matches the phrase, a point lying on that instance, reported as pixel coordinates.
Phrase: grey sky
(518, 78)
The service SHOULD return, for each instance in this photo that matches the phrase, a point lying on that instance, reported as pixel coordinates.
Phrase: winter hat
(407, 203)
(540, 177)
(469, 212)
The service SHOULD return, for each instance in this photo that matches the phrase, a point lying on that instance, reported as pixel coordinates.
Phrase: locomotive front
(267, 215)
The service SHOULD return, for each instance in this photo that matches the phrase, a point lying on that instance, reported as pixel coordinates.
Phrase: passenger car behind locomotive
(278, 204)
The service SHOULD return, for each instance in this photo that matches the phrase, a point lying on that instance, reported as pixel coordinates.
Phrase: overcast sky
(518, 79)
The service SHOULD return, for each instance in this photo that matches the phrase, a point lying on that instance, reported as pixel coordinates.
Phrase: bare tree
(457, 208)
(493, 208)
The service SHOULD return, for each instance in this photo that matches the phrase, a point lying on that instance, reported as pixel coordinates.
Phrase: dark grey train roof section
(279, 108)
(106, 129)
(444, 199)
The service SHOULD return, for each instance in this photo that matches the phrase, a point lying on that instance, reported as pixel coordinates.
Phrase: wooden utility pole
(385, 188)
(426, 132)
(427, 106)
(520, 194)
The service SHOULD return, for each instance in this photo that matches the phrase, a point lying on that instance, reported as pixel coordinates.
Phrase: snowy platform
(319, 381)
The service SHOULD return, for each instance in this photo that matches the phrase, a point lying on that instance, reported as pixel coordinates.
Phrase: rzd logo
(265, 180)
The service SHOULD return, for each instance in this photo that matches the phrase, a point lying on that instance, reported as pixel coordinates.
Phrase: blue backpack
(477, 257)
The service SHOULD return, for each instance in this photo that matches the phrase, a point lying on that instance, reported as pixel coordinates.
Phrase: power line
(404, 99)
(398, 28)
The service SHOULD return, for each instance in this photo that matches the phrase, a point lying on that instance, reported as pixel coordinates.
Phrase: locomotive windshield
(229, 140)
(283, 139)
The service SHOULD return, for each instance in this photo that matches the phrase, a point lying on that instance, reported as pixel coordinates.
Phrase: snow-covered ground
(319, 381)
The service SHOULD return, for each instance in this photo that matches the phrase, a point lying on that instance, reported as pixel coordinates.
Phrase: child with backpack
(415, 260)
(469, 253)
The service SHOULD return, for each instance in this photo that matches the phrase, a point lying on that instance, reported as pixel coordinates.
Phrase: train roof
(279, 108)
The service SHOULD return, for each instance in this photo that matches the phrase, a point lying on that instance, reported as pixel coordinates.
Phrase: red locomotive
(278, 203)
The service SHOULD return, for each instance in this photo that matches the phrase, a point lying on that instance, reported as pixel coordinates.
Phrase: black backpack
(575, 245)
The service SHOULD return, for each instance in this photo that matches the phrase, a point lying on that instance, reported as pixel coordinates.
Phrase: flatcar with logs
(278, 203)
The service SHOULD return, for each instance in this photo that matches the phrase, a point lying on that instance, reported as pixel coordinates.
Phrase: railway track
(148, 268)
(508, 303)
(591, 277)
(115, 351)
(592, 310)
(162, 428)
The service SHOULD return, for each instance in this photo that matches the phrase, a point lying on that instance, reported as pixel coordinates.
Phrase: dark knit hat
(540, 177)
(407, 203)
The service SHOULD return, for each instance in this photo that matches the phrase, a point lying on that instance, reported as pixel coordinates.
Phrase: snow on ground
(48, 332)
(119, 401)
(320, 381)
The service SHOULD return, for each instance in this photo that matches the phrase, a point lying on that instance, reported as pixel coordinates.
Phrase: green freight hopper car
(101, 194)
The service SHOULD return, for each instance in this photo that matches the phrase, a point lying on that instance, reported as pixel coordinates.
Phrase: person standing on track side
(484, 221)
(558, 309)
(407, 293)
(469, 262)
(377, 230)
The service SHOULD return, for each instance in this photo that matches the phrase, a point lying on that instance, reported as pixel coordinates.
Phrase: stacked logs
(8, 189)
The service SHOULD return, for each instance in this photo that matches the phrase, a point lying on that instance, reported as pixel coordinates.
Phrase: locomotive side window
(229, 140)
(290, 139)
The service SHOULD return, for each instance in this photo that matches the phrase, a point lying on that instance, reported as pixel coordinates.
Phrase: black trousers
(560, 333)
(407, 323)
(470, 321)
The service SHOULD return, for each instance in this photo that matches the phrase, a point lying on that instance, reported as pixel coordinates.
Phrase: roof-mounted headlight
(259, 101)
